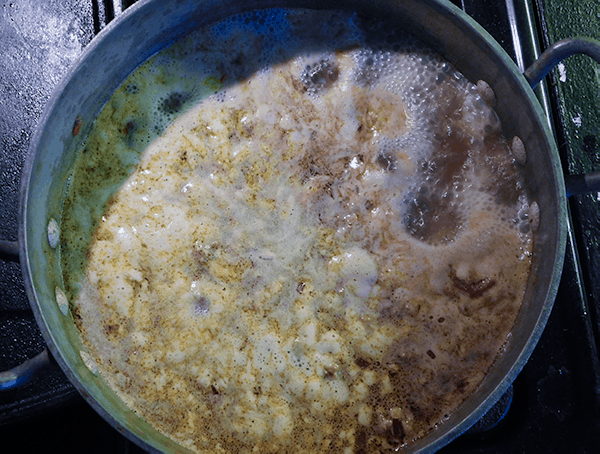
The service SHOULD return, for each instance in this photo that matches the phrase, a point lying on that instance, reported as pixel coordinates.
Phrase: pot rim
(444, 433)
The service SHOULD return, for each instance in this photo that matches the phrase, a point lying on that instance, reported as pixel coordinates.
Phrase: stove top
(553, 405)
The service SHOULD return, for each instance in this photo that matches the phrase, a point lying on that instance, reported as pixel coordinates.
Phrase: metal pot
(149, 26)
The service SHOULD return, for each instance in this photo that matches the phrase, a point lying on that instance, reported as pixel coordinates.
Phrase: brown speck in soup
(331, 371)
(461, 385)
(362, 363)
(77, 126)
(110, 328)
(173, 103)
(418, 412)
(130, 128)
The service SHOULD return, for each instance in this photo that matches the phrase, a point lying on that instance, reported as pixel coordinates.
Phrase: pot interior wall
(148, 27)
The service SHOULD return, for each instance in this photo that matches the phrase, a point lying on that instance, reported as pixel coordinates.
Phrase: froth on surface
(325, 255)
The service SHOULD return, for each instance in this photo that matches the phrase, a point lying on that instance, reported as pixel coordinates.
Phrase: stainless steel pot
(151, 25)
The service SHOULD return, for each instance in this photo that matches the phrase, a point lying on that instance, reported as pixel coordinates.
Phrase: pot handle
(9, 250)
(23, 373)
(558, 52)
(583, 183)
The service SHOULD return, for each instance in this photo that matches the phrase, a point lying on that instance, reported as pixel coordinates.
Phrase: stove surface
(553, 405)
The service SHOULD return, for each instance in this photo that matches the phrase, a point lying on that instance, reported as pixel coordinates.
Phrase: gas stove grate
(554, 401)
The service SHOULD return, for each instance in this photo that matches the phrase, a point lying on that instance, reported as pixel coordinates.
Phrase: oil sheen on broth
(324, 251)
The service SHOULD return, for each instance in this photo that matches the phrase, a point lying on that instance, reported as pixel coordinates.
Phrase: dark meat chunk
(474, 289)
(362, 363)
(396, 435)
